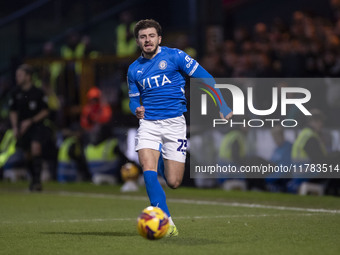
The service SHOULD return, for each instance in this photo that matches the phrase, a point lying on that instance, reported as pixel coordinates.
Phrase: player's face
(21, 77)
(148, 41)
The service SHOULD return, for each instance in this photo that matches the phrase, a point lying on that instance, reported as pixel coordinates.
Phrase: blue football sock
(160, 167)
(155, 191)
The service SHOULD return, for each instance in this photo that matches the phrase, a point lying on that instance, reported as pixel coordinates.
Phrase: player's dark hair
(27, 69)
(147, 23)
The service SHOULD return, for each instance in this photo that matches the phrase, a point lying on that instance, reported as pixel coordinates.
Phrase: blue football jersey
(160, 81)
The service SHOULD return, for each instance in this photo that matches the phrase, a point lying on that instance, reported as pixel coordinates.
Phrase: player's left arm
(225, 111)
(136, 108)
(193, 69)
(134, 95)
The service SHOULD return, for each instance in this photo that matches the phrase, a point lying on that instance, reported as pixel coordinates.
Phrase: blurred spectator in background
(260, 33)
(182, 43)
(7, 149)
(309, 148)
(104, 157)
(73, 49)
(72, 165)
(308, 145)
(126, 44)
(77, 47)
(96, 112)
(4, 111)
(308, 47)
(229, 57)
(212, 62)
(333, 99)
(51, 80)
(53, 103)
(240, 36)
(280, 156)
(12, 159)
(335, 4)
(54, 69)
(264, 66)
(233, 151)
(28, 110)
(42, 79)
(89, 50)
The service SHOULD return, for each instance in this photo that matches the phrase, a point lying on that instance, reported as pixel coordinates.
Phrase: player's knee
(174, 184)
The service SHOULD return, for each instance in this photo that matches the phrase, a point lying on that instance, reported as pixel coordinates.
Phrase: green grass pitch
(86, 219)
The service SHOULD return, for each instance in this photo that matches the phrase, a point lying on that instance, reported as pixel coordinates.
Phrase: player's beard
(151, 53)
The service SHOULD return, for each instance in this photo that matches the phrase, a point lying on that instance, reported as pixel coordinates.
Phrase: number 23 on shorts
(183, 145)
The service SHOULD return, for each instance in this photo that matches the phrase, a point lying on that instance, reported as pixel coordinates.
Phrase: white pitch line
(204, 202)
(235, 204)
(175, 218)
(241, 216)
(67, 221)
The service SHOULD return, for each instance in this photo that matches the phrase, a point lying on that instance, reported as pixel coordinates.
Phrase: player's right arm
(134, 95)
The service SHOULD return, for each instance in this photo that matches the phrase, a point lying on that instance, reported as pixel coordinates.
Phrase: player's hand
(226, 117)
(25, 124)
(140, 112)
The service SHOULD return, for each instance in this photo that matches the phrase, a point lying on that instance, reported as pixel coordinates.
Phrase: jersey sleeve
(133, 87)
(184, 62)
(134, 93)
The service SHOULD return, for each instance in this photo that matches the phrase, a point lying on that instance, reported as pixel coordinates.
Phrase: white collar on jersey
(159, 50)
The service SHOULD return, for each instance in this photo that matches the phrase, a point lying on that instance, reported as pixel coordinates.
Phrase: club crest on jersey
(162, 65)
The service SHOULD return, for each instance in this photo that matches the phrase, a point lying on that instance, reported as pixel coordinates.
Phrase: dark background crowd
(285, 39)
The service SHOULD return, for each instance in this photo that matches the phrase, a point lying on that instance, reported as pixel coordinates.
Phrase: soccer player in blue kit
(156, 91)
